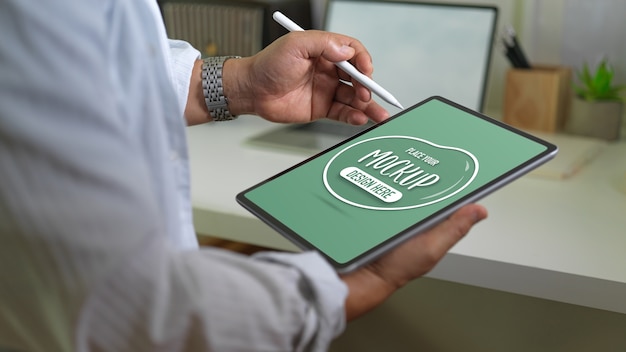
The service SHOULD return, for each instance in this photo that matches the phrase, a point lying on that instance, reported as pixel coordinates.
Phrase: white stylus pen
(344, 65)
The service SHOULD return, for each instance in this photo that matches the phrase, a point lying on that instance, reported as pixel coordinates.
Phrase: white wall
(571, 32)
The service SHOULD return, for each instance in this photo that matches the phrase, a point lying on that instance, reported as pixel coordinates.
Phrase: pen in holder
(537, 98)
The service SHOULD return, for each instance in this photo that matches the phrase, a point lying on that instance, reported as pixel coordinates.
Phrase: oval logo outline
(347, 201)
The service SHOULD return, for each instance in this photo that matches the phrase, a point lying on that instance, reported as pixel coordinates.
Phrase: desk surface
(563, 240)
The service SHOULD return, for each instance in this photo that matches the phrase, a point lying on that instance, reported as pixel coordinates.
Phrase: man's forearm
(366, 290)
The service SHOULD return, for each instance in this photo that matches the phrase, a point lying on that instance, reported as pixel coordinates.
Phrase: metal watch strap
(212, 87)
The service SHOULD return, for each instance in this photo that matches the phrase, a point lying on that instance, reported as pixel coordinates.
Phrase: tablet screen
(359, 198)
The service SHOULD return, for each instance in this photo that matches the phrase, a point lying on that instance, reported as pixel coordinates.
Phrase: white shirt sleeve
(90, 133)
(182, 59)
(213, 300)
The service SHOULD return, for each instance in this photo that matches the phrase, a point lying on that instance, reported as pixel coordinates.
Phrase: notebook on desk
(575, 153)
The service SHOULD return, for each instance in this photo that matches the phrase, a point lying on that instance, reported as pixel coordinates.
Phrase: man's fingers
(445, 235)
(350, 109)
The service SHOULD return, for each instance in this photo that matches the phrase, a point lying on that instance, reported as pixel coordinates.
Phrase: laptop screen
(421, 49)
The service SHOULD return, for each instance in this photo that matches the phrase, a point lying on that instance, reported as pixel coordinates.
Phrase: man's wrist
(213, 88)
(366, 290)
(237, 86)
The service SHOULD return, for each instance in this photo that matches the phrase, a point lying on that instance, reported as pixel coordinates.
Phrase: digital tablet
(362, 197)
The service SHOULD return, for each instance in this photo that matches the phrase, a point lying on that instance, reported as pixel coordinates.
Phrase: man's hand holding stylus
(294, 80)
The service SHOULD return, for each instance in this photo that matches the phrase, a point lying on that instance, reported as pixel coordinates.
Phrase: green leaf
(599, 85)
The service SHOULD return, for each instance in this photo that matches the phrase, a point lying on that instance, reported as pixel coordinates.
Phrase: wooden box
(537, 99)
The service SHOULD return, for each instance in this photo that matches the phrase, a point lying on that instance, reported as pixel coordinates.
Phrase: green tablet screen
(351, 199)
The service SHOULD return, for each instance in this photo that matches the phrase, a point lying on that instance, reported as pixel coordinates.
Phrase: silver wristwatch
(212, 87)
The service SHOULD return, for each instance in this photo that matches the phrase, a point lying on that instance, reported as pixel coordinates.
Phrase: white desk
(559, 240)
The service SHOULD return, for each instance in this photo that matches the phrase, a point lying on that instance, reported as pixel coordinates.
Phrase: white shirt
(97, 248)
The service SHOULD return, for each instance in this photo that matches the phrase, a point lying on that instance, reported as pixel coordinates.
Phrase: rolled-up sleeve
(212, 300)
(182, 59)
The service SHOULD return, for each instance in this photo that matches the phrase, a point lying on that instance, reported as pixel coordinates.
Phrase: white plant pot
(599, 119)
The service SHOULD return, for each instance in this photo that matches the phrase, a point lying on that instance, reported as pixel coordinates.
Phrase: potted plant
(597, 107)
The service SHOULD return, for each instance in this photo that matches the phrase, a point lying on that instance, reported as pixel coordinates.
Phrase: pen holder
(538, 98)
